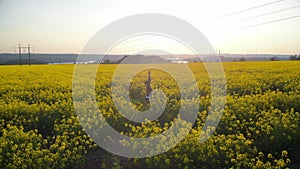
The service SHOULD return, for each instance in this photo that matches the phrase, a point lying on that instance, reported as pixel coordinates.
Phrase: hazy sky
(64, 26)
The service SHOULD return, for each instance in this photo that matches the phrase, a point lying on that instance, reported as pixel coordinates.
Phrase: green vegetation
(295, 57)
(259, 127)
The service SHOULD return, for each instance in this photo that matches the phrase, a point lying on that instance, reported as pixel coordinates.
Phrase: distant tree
(242, 59)
(293, 57)
(273, 58)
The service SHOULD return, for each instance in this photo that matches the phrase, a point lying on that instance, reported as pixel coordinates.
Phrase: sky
(231, 26)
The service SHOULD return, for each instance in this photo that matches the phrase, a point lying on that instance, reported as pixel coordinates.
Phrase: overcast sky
(65, 26)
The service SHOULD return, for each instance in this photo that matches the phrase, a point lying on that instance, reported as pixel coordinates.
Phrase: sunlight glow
(65, 27)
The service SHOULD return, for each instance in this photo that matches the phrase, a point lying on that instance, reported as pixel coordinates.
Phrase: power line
(248, 9)
(264, 14)
(268, 22)
(268, 13)
(254, 25)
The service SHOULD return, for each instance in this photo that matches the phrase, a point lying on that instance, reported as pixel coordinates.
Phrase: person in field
(148, 88)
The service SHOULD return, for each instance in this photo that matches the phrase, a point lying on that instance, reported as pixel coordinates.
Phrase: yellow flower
(167, 161)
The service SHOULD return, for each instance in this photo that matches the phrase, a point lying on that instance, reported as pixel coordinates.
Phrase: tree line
(295, 57)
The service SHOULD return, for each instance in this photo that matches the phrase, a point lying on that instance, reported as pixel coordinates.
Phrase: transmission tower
(24, 48)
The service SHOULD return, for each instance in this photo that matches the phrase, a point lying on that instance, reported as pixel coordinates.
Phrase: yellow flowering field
(259, 128)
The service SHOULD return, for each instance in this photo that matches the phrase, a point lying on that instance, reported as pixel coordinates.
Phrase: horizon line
(156, 54)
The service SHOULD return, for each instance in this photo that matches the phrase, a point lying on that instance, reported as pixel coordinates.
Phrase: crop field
(259, 127)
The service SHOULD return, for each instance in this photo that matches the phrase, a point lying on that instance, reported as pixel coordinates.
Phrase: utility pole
(20, 60)
(29, 55)
(28, 48)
